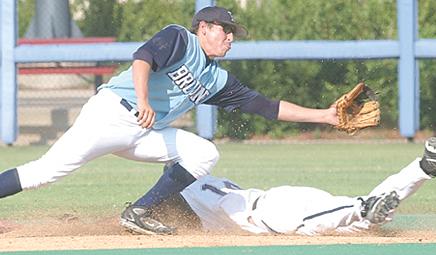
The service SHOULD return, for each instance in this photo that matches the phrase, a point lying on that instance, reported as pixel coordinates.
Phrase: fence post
(8, 72)
(408, 71)
(206, 114)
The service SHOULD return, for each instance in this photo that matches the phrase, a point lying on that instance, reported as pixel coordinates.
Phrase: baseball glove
(357, 109)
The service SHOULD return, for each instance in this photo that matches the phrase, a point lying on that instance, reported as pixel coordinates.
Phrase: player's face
(218, 39)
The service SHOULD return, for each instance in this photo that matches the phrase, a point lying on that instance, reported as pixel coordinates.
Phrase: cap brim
(239, 31)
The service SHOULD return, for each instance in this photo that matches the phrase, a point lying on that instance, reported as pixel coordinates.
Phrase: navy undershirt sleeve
(235, 95)
(164, 49)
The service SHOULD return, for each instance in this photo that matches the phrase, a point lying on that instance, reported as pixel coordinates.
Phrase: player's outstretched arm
(296, 113)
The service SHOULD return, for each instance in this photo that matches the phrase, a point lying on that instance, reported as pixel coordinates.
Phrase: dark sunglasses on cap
(226, 28)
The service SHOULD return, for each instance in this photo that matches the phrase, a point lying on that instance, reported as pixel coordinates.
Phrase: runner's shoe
(138, 219)
(377, 208)
(428, 161)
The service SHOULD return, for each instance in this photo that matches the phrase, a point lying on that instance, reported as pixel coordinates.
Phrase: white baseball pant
(220, 205)
(104, 126)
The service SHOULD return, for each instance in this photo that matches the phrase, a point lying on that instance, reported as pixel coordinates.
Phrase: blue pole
(200, 4)
(1, 69)
(206, 114)
(8, 88)
(408, 73)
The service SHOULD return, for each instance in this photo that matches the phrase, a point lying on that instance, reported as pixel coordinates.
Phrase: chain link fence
(50, 95)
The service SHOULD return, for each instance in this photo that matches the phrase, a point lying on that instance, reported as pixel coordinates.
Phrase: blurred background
(52, 94)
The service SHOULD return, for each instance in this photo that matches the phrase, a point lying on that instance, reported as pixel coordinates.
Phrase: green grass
(102, 186)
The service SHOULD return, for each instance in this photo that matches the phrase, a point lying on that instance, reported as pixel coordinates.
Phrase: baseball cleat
(137, 219)
(377, 208)
(428, 161)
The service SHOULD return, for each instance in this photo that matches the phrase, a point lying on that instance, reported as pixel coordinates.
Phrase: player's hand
(146, 114)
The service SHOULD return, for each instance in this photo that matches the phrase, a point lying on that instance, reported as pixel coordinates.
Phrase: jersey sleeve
(164, 49)
(235, 95)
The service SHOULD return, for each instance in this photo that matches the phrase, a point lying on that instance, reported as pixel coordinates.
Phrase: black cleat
(138, 219)
(377, 208)
(428, 161)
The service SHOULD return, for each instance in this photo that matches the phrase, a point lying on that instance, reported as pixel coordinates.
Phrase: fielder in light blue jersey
(130, 115)
(178, 85)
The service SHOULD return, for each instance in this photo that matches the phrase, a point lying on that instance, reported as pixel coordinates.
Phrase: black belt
(264, 223)
(126, 105)
(255, 204)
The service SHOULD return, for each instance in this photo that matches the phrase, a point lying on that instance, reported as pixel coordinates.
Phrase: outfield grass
(102, 186)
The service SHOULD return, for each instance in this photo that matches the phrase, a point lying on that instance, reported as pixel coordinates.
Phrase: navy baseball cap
(221, 16)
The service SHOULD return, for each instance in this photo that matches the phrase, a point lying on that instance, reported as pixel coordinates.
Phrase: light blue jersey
(175, 89)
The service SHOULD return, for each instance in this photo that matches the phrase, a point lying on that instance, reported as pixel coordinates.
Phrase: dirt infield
(71, 233)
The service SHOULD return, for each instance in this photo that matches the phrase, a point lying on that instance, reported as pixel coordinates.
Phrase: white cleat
(428, 162)
(377, 208)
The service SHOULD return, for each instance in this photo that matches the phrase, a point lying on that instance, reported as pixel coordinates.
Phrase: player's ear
(202, 27)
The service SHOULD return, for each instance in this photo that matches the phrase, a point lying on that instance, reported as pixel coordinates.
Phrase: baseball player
(220, 204)
(130, 115)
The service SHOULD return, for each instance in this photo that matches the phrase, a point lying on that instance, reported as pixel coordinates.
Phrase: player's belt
(262, 221)
(129, 108)
(255, 204)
